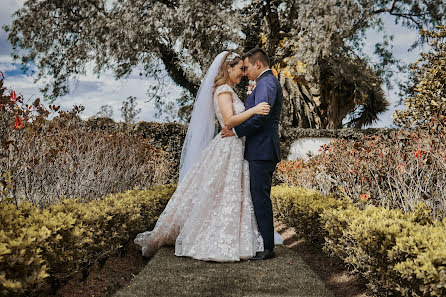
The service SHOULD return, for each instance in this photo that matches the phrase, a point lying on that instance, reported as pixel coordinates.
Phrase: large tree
(315, 46)
(427, 100)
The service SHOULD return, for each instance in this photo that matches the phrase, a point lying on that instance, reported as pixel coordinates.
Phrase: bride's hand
(262, 108)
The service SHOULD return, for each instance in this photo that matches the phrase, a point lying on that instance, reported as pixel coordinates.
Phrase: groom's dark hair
(257, 54)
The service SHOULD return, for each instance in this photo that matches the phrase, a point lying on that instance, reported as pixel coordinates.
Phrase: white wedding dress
(211, 216)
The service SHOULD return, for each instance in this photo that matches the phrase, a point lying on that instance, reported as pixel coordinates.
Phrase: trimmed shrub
(66, 159)
(399, 253)
(39, 246)
(301, 208)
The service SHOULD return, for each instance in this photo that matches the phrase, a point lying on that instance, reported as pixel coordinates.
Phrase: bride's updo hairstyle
(230, 59)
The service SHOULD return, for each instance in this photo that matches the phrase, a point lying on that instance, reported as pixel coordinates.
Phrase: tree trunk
(305, 107)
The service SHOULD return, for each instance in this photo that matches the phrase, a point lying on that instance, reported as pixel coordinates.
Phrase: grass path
(167, 275)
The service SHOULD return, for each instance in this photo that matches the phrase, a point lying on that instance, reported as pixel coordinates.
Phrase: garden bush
(80, 163)
(301, 208)
(398, 253)
(41, 159)
(39, 246)
(397, 170)
(395, 251)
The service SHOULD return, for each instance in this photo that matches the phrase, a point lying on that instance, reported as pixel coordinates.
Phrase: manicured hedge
(51, 244)
(395, 251)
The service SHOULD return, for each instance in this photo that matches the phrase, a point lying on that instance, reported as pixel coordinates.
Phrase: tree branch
(392, 11)
(170, 60)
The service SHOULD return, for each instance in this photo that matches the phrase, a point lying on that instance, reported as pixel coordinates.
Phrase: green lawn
(167, 275)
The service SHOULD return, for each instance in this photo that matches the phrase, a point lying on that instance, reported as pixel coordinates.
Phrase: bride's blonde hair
(230, 59)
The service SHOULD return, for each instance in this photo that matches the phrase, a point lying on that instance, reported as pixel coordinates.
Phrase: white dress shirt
(263, 72)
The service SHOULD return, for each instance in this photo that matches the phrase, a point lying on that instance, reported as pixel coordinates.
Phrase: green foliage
(352, 89)
(301, 208)
(183, 36)
(429, 99)
(395, 170)
(393, 250)
(399, 253)
(51, 244)
(422, 254)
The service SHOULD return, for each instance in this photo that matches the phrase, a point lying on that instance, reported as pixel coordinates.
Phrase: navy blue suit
(262, 150)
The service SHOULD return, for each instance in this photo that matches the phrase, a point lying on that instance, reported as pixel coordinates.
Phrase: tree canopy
(311, 43)
(428, 98)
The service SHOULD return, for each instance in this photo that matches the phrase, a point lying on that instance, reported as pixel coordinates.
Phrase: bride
(211, 216)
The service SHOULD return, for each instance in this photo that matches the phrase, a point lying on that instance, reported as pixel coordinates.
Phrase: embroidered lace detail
(237, 104)
(211, 216)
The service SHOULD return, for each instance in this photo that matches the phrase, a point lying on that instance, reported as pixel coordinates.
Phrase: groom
(262, 148)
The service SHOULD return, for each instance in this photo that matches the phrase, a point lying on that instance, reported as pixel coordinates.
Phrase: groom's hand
(226, 132)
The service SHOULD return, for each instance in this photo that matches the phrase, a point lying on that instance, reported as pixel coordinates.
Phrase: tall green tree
(428, 96)
(183, 36)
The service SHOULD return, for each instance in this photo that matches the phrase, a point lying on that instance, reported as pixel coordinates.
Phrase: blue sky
(93, 92)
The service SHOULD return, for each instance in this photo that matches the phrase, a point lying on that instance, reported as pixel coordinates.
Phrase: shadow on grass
(300, 269)
(332, 271)
(168, 275)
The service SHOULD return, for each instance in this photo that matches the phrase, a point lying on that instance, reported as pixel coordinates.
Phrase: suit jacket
(262, 131)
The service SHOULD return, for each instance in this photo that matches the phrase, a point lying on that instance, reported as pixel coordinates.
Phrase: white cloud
(8, 8)
(93, 92)
(6, 59)
(24, 85)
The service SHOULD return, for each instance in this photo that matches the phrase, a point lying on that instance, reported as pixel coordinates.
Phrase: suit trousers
(261, 173)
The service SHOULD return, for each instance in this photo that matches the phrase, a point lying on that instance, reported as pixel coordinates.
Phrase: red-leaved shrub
(42, 160)
(397, 171)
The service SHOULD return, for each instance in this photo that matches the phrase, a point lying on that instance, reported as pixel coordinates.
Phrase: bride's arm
(231, 120)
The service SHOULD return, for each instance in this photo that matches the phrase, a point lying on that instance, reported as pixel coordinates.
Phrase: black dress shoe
(266, 254)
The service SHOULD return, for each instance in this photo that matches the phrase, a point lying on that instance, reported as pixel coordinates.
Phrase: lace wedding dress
(211, 216)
